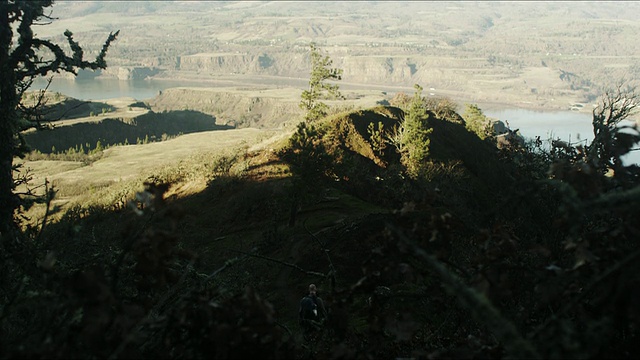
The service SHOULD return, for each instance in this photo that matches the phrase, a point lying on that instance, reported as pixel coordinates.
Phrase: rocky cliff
(360, 69)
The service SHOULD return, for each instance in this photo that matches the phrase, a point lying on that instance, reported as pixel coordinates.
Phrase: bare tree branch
(608, 144)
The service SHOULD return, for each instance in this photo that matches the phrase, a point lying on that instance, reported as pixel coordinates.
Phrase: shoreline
(461, 97)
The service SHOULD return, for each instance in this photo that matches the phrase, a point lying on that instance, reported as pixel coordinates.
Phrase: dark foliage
(23, 57)
(551, 273)
(522, 252)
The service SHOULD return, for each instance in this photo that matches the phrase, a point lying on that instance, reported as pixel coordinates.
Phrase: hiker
(312, 313)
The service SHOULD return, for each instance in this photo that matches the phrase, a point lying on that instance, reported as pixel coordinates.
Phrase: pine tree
(321, 71)
(415, 140)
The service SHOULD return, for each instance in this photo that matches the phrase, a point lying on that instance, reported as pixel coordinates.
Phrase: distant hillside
(59, 106)
(491, 55)
(113, 131)
(255, 108)
(260, 107)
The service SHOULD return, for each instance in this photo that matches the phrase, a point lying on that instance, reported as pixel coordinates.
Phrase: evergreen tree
(321, 71)
(415, 139)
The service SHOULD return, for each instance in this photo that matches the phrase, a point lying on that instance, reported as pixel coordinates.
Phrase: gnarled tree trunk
(8, 127)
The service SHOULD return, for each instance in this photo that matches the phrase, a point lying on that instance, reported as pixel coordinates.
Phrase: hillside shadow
(237, 225)
(73, 109)
(144, 128)
(453, 142)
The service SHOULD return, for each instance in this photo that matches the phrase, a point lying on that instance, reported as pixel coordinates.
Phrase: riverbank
(103, 88)
(489, 100)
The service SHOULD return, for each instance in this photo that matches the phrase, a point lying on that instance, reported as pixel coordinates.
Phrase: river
(570, 126)
(101, 89)
(567, 125)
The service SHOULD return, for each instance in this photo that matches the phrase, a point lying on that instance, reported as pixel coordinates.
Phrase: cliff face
(367, 69)
(357, 69)
(379, 69)
(398, 70)
(130, 72)
(223, 64)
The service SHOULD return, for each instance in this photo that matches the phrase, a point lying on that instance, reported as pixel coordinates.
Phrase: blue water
(100, 89)
(566, 125)
(570, 126)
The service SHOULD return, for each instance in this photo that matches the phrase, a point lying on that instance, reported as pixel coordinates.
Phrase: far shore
(461, 96)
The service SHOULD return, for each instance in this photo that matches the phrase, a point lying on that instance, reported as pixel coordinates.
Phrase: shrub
(477, 122)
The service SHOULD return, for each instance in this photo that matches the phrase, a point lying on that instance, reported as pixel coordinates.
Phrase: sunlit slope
(123, 163)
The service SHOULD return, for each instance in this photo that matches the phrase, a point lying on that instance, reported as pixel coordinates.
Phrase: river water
(101, 89)
(570, 126)
(566, 125)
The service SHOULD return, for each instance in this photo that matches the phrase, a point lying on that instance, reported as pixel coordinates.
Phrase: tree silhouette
(23, 58)
(610, 143)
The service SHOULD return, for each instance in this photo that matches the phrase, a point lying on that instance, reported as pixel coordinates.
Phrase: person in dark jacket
(312, 313)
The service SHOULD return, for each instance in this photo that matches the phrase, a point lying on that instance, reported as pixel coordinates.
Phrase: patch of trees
(477, 122)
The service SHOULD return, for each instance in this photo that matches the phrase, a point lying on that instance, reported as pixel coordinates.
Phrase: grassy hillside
(109, 131)
(205, 243)
(264, 107)
(111, 179)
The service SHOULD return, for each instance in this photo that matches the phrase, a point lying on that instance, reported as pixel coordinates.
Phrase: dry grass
(122, 169)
